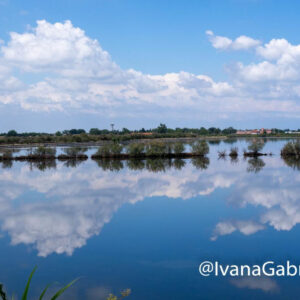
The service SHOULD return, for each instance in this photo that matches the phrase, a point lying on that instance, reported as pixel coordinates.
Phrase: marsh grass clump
(178, 148)
(254, 148)
(6, 154)
(3, 294)
(74, 153)
(156, 148)
(109, 150)
(200, 148)
(103, 151)
(291, 149)
(136, 149)
(43, 152)
(116, 149)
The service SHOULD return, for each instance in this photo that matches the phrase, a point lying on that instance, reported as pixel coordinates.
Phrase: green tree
(214, 130)
(116, 148)
(125, 131)
(162, 128)
(12, 133)
(136, 149)
(178, 148)
(200, 147)
(256, 146)
(95, 131)
(229, 130)
(203, 131)
(156, 148)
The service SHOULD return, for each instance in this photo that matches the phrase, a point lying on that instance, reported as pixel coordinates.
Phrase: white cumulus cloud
(72, 74)
(224, 43)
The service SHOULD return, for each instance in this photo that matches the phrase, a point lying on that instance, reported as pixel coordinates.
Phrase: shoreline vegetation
(155, 149)
(3, 295)
(96, 136)
(154, 155)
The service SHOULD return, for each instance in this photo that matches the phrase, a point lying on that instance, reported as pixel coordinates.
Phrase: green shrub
(44, 151)
(291, 149)
(103, 150)
(116, 148)
(178, 148)
(109, 150)
(256, 146)
(75, 151)
(7, 154)
(136, 149)
(200, 148)
(156, 148)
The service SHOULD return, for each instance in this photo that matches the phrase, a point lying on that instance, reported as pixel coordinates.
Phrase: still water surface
(147, 226)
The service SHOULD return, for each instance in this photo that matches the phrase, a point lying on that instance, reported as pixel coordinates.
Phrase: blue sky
(153, 38)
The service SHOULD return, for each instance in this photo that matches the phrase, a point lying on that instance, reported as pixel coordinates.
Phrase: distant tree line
(96, 134)
(162, 128)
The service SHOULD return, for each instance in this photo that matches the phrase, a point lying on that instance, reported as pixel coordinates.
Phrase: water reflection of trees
(230, 141)
(43, 165)
(234, 160)
(73, 163)
(178, 163)
(255, 165)
(292, 161)
(7, 164)
(110, 164)
(201, 163)
(158, 165)
(136, 164)
(152, 165)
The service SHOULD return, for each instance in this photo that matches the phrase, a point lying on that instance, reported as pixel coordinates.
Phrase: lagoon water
(148, 225)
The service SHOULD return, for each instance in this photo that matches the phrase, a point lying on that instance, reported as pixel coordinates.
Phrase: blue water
(148, 231)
